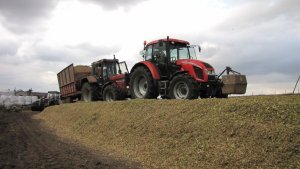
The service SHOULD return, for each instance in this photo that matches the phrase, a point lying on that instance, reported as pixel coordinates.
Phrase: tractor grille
(198, 72)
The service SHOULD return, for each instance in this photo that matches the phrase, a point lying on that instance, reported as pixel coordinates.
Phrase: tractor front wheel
(111, 93)
(183, 87)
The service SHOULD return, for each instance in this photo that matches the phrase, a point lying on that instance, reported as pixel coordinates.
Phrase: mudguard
(91, 79)
(152, 68)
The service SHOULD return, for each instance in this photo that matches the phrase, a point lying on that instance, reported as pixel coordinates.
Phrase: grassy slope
(260, 131)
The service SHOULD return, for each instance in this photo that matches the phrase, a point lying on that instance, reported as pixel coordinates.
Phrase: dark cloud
(20, 15)
(112, 4)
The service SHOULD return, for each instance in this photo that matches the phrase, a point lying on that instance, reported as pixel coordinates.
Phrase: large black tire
(142, 84)
(112, 93)
(89, 92)
(183, 86)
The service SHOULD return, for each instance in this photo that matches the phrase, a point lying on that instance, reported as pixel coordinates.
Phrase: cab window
(159, 52)
(148, 54)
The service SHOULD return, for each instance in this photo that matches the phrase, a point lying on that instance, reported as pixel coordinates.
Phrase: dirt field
(25, 143)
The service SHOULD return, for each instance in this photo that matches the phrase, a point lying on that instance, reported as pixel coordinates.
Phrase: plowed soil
(26, 143)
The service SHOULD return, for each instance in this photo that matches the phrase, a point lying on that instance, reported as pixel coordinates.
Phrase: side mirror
(143, 52)
(199, 48)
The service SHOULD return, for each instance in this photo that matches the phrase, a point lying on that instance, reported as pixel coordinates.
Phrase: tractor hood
(197, 63)
(201, 71)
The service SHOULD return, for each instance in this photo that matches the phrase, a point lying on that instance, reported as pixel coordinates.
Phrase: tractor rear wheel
(112, 93)
(142, 84)
(89, 92)
(183, 86)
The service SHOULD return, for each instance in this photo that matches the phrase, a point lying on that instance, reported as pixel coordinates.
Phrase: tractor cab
(107, 81)
(53, 97)
(165, 52)
(107, 69)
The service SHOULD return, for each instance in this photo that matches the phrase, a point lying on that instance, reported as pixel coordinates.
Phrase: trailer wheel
(183, 86)
(89, 92)
(112, 93)
(142, 84)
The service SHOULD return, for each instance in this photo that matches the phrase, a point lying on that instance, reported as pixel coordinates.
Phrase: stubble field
(239, 132)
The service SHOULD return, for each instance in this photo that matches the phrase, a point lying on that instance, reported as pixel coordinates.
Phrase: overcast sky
(259, 38)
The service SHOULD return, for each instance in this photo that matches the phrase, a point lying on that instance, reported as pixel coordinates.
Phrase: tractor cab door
(122, 68)
(97, 71)
(109, 69)
(160, 59)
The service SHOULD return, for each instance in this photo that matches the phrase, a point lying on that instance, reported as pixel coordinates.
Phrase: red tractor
(105, 79)
(170, 69)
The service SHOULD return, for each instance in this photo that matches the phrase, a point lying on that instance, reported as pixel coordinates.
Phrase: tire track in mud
(47, 156)
(25, 144)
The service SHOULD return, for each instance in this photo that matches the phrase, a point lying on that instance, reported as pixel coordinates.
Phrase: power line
(296, 85)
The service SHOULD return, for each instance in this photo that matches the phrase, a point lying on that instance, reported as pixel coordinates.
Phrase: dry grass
(242, 132)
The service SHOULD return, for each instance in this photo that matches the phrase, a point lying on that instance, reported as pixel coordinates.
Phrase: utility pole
(296, 85)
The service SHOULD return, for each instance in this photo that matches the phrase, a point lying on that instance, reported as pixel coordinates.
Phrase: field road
(25, 143)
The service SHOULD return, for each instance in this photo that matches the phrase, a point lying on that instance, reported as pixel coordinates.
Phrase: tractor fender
(92, 79)
(150, 66)
(104, 86)
(88, 79)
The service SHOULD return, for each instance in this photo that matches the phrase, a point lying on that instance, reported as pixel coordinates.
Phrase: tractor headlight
(210, 72)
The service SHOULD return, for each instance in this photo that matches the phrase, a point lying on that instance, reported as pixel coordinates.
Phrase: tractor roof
(168, 40)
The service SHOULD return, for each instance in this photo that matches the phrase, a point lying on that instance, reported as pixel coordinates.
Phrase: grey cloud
(80, 53)
(20, 15)
(95, 50)
(30, 75)
(252, 13)
(258, 58)
(112, 4)
(24, 70)
(73, 54)
(8, 48)
(262, 37)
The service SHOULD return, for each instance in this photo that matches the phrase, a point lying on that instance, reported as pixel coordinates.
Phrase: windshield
(123, 68)
(182, 51)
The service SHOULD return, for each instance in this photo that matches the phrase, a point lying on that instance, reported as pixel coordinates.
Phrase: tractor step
(163, 87)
